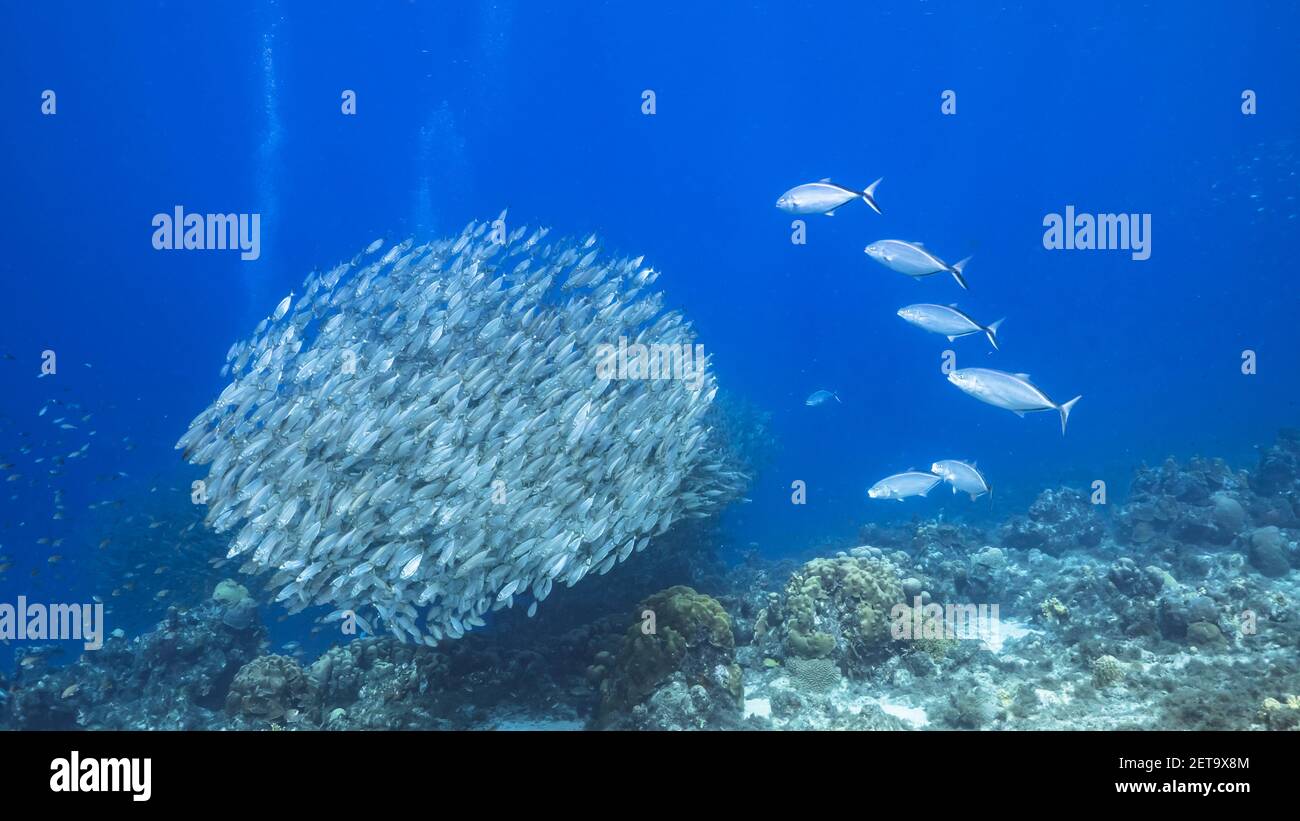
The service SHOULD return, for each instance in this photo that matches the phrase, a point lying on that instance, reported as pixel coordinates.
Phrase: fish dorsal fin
(824, 179)
(952, 304)
(918, 244)
(1024, 376)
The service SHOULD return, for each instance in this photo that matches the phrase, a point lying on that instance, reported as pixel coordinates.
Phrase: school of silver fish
(426, 437)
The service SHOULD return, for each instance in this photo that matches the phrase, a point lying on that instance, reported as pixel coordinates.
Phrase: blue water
(467, 108)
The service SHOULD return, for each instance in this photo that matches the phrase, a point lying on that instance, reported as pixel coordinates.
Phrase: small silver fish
(949, 321)
(961, 476)
(283, 307)
(820, 398)
(1012, 391)
(913, 259)
(902, 485)
(823, 197)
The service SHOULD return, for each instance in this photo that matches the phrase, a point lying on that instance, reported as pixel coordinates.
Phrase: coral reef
(1182, 612)
(1058, 520)
(173, 677)
(676, 632)
(836, 608)
(271, 688)
(1176, 506)
(1107, 670)
(1281, 715)
(813, 675)
(1277, 476)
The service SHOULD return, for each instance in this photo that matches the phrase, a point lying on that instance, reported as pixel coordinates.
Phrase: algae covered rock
(682, 635)
(1180, 506)
(1058, 521)
(1268, 552)
(836, 609)
(1278, 471)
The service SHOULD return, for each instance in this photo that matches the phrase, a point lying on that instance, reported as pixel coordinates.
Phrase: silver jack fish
(949, 321)
(961, 476)
(901, 485)
(912, 259)
(824, 197)
(1012, 391)
(820, 398)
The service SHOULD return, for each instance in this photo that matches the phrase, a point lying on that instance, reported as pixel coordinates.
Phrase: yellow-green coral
(1106, 670)
(691, 634)
(836, 608)
(229, 592)
(1053, 610)
(1281, 715)
(809, 646)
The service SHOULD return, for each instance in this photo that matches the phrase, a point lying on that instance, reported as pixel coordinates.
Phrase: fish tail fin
(956, 272)
(869, 196)
(1065, 411)
(837, 397)
(992, 332)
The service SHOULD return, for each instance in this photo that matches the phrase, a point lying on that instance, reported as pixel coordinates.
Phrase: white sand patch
(1007, 630)
(1050, 698)
(912, 715)
(760, 707)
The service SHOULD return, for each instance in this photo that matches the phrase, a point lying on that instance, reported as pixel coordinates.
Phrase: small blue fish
(820, 398)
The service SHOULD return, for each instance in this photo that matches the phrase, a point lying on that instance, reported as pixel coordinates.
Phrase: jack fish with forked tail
(1012, 391)
(913, 259)
(823, 197)
(902, 485)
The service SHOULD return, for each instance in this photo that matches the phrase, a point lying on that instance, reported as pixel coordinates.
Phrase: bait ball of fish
(427, 437)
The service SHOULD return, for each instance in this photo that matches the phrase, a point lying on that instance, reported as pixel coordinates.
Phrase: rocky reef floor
(1177, 609)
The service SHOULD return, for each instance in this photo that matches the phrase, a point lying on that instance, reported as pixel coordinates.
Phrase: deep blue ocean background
(468, 108)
